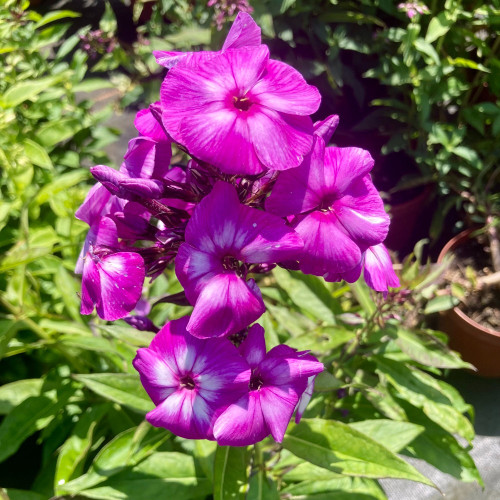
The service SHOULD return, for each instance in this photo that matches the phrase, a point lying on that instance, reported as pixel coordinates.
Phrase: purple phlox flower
(379, 273)
(278, 380)
(112, 281)
(190, 380)
(338, 212)
(132, 223)
(223, 240)
(241, 111)
(243, 33)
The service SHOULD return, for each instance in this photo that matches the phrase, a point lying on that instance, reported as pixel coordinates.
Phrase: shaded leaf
(230, 473)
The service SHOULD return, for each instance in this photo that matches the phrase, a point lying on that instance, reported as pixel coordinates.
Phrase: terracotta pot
(404, 217)
(478, 345)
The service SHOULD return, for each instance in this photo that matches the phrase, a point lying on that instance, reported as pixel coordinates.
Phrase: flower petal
(301, 189)
(346, 165)
(91, 286)
(253, 348)
(280, 140)
(244, 32)
(194, 269)
(226, 305)
(183, 413)
(327, 246)
(283, 88)
(242, 423)
(379, 273)
(361, 212)
(278, 405)
(122, 276)
(147, 125)
(325, 128)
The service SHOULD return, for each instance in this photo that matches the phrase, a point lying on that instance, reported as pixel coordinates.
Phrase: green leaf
(428, 50)
(441, 303)
(307, 295)
(8, 330)
(61, 130)
(33, 414)
(27, 89)
(340, 448)
(127, 449)
(14, 494)
(428, 349)
(423, 391)
(440, 449)
(393, 435)
(61, 183)
(342, 488)
(230, 473)
(161, 475)
(13, 394)
(75, 449)
(262, 487)
(91, 84)
(438, 27)
(121, 388)
(37, 154)
(362, 294)
(55, 15)
(128, 334)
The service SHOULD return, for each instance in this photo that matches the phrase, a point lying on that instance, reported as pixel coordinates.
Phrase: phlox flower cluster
(261, 189)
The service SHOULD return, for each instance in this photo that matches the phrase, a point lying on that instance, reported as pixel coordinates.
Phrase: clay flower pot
(404, 217)
(477, 344)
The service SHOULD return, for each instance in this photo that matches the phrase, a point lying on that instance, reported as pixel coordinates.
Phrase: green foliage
(68, 383)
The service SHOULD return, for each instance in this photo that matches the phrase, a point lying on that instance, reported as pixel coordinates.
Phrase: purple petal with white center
(379, 273)
(122, 276)
(283, 88)
(327, 246)
(361, 212)
(169, 59)
(244, 32)
(242, 423)
(253, 348)
(325, 128)
(186, 90)
(148, 126)
(184, 414)
(217, 373)
(226, 305)
(158, 378)
(301, 189)
(346, 165)
(221, 225)
(220, 136)
(194, 269)
(280, 140)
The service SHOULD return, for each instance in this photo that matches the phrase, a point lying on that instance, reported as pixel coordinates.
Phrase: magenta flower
(243, 33)
(191, 381)
(279, 379)
(111, 282)
(379, 273)
(338, 212)
(224, 241)
(240, 111)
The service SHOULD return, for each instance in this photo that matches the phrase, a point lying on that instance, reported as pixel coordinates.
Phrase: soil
(481, 304)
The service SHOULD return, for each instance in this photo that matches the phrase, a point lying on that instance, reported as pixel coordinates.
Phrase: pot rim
(450, 245)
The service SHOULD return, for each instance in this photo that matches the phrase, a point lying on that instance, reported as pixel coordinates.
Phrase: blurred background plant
(417, 85)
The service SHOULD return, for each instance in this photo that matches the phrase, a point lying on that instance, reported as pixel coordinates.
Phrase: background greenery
(421, 94)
